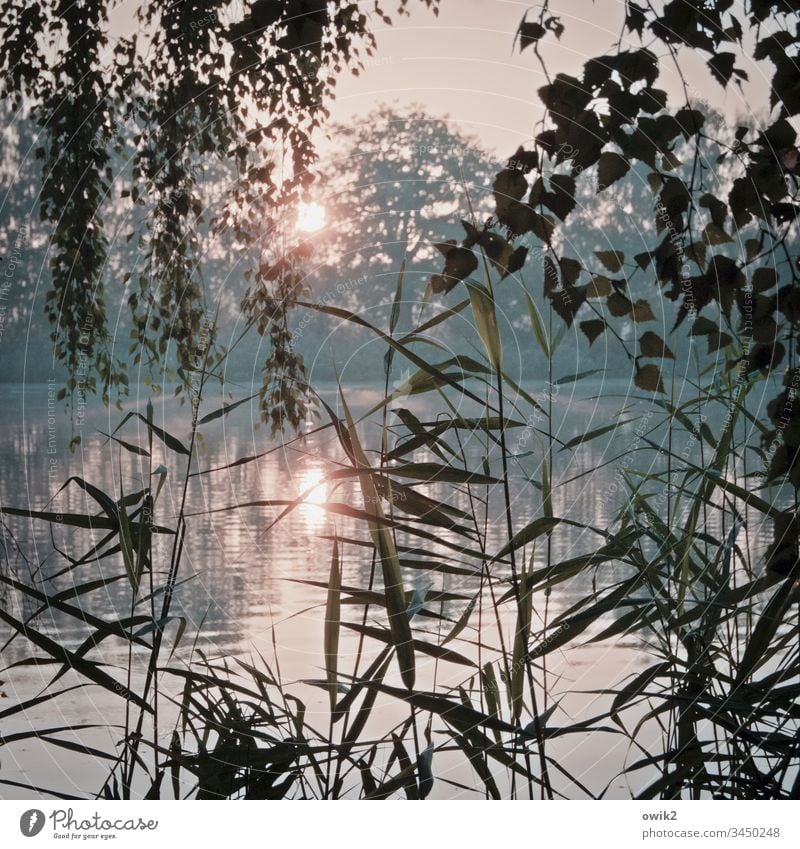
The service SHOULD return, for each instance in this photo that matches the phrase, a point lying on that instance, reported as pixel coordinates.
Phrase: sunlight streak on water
(313, 512)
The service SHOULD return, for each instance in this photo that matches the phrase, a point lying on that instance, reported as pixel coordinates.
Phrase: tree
(401, 179)
(196, 83)
(610, 118)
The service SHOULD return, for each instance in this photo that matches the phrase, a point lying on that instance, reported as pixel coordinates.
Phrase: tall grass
(448, 687)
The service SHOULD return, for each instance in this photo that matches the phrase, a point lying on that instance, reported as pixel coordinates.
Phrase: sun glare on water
(310, 217)
(313, 480)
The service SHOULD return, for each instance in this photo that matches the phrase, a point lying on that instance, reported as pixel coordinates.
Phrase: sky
(465, 64)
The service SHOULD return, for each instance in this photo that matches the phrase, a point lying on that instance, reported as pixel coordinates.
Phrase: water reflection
(313, 488)
(246, 574)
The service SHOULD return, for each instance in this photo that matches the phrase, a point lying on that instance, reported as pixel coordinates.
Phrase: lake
(242, 575)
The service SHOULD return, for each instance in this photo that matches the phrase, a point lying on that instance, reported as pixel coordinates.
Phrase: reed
(464, 655)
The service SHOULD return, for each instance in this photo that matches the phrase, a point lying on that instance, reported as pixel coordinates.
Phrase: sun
(310, 217)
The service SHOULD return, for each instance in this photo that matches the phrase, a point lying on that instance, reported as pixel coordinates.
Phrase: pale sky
(464, 64)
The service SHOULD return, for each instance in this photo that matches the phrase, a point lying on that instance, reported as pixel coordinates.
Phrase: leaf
(641, 311)
(635, 17)
(748, 497)
(224, 410)
(384, 545)
(593, 328)
(439, 472)
(772, 617)
(425, 771)
(536, 325)
(421, 646)
(721, 67)
(454, 713)
(398, 295)
(652, 345)
(532, 531)
(592, 434)
(529, 33)
(175, 753)
(79, 520)
(462, 622)
(71, 660)
(640, 681)
(648, 378)
(332, 624)
(416, 359)
(573, 378)
(521, 635)
(509, 185)
(690, 121)
(598, 287)
(618, 304)
(173, 443)
(444, 315)
(610, 168)
(612, 260)
(717, 208)
(459, 264)
(128, 446)
(486, 323)
(561, 200)
(715, 235)
(543, 227)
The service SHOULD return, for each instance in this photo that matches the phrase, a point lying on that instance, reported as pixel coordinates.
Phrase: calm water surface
(243, 572)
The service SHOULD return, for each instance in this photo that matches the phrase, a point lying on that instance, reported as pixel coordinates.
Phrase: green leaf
(648, 378)
(637, 685)
(592, 434)
(610, 168)
(771, 619)
(641, 311)
(532, 531)
(529, 33)
(547, 493)
(462, 621)
(224, 410)
(421, 646)
(593, 328)
(390, 565)
(612, 260)
(439, 472)
(332, 624)
(721, 67)
(452, 712)
(173, 443)
(486, 323)
(536, 325)
(573, 378)
(653, 345)
(71, 660)
(398, 296)
(509, 185)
